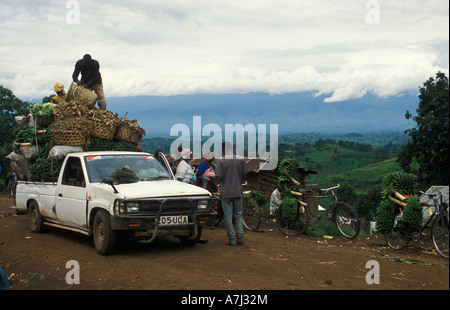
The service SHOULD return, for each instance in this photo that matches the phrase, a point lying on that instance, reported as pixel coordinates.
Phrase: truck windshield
(145, 167)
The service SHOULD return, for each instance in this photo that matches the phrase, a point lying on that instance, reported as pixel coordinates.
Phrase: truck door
(71, 195)
(163, 160)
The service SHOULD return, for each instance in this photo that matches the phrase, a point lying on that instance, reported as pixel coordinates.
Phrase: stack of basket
(71, 126)
(104, 124)
(129, 131)
(75, 120)
(68, 137)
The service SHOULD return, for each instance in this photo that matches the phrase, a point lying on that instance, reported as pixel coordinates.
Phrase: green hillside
(361, 166)
(337, 158)
(361, 179)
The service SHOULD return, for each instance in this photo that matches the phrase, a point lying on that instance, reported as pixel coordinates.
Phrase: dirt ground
(267, 261)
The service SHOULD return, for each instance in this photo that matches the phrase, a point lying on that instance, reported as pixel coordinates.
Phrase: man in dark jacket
(232, 170)
(90, 77)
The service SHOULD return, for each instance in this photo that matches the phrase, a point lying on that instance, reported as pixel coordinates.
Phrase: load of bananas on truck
(51, 130)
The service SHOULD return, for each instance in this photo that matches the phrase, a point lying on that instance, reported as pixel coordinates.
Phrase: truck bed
(43, 192)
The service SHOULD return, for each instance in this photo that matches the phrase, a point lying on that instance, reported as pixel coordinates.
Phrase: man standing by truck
(232, 170)
(90, 77)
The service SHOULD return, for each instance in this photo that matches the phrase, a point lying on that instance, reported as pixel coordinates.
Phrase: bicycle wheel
(216, 206)
(346, 220)
(251, 215)
(292, 226)
(396, 239)
(439, 234)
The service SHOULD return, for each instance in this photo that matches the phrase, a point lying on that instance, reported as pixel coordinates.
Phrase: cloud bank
(331, 48)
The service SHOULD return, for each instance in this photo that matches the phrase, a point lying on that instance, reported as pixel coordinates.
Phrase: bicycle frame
(344, 216)
(326, 211)
(430, 220)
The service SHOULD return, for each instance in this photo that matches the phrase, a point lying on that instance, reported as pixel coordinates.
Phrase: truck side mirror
(110, 181)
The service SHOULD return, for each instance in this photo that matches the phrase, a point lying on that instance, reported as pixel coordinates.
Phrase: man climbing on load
(90, 77)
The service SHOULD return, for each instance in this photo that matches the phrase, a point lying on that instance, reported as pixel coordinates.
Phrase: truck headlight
(132, 207)
(126, 207)
(203, 205)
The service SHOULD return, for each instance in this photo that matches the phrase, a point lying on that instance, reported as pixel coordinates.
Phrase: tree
(48, 98)
(347, 193)
(429, 139)
(367, 204)
(10, 106)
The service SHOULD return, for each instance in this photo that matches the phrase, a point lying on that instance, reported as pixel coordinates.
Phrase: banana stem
(291, 178)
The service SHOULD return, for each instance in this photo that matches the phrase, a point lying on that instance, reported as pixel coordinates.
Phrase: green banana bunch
(289, 209)
(404, 183)
(24, 134)
(42, 169)
(285, 184)
(385, 216)
(395, 185)
(412, 214)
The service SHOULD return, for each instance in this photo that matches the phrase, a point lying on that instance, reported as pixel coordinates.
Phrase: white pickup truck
(112, 194)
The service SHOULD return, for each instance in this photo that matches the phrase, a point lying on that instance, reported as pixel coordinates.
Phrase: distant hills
(294, 112)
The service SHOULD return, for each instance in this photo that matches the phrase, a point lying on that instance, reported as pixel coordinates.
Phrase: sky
(337, 49)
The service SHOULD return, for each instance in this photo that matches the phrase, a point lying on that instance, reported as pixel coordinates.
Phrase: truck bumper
(178, 216)
(198, 219)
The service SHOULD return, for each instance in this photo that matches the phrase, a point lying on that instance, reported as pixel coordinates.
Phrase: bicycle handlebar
(438, 197)
(438, 193)
(324, 190)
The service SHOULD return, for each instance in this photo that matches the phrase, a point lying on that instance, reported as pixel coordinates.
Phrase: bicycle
(400, 237)
(344, 215)
(251, 215)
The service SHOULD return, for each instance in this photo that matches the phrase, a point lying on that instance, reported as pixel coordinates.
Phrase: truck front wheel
(105, 238)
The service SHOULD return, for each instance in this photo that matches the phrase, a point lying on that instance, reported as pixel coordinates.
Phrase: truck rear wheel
(105, 238)
(35, 218)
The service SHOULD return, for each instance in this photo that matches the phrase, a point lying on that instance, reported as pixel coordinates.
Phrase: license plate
(173, 220)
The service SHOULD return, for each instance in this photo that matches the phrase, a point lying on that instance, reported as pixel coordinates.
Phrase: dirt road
(267, 261)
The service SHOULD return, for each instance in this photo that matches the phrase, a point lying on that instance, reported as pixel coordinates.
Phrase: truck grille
(175, 206)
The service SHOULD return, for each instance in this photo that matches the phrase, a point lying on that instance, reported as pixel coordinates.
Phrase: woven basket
(72, 138)
(102, 130)
(87, 96)
(45, 121)
(125, 133)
